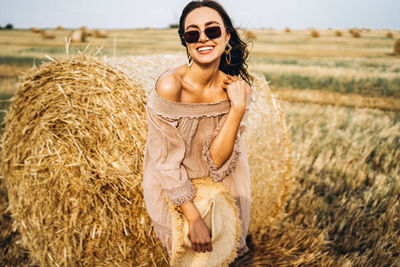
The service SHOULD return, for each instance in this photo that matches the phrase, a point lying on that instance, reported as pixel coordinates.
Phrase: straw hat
(221, 214)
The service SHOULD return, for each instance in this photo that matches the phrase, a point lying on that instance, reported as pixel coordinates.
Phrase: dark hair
(239, 52)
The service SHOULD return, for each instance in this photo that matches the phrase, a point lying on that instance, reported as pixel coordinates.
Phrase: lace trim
(177, 110)
(182, 194)
(218, 174)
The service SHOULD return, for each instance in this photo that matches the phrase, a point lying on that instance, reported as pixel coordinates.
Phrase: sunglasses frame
(205, 31)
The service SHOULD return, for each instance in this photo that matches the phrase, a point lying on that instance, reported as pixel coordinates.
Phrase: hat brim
(226, 246)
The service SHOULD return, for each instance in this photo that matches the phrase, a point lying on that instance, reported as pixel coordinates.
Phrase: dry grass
(396, 47)
(338, 99)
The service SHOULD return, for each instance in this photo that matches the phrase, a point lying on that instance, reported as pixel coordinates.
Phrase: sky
(127, 14)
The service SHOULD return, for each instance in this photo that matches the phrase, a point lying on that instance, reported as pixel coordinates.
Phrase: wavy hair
(239, 52)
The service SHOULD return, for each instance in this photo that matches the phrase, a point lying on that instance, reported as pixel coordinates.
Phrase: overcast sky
(117, 14)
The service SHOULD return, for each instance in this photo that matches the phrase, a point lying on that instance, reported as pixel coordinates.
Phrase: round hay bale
(396, 47)
(287, 30)
(100, 34)
(47, 35)
(338, 33)
(72, 155)
(59, 27)
(389, 35)
(35, 30)
(72, 161)
(78, 36)
(314, 34)
(355, 33)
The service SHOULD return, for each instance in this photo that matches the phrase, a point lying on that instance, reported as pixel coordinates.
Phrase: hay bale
(287, 30)
(78, 36)
(100, 34)
(35, 30)
(72, 161)
(314, 34)
(338, 33)
(396, 47)
(59, 28)
(249, 35)
(71, 157)
(47, 35)
(389, 35)
(355, 33)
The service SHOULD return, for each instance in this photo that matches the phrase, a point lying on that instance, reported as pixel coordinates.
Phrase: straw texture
(71, 158)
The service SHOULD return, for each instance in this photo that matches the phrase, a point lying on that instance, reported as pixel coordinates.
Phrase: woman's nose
(203, 37)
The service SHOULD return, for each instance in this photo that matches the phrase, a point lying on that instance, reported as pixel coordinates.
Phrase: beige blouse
(177, 151)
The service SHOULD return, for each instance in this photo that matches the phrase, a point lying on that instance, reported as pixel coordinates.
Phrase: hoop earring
(189, 61)
(227, 52)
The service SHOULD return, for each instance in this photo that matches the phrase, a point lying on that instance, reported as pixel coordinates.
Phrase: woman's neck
(204, 76)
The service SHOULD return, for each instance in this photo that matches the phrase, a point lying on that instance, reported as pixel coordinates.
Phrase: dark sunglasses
(194, 35)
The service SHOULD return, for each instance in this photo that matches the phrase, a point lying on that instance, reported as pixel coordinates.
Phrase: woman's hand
(199, 234)
(236, 89)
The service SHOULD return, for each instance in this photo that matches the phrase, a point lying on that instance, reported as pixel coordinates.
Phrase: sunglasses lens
(191, 36)
(213, 32)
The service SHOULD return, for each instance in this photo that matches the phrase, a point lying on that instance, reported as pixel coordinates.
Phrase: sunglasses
(194, 35)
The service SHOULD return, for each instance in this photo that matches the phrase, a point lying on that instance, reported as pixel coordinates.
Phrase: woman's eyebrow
(207, 23)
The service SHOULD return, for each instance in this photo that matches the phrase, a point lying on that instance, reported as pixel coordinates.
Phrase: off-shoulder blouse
(177, 151)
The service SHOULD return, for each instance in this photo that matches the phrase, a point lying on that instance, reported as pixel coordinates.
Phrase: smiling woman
(196, 115)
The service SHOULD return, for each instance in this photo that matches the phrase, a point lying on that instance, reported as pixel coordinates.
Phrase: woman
(196, 116)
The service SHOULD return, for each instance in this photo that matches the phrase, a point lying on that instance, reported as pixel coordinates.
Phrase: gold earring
(228, 49)
(189, 61)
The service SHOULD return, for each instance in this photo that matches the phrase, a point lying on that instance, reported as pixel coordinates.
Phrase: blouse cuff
(182, 194)
(218, 174)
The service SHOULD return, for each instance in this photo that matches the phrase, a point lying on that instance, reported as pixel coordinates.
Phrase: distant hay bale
(249, 35)
(287, 30)
(59, 27)
(35, 30)
(100, 34)
(78, 36)
(389, 35)
(355, 33)
(338, 33)
(396, 47)
(72, 154)
(314, 33)
(47, 35)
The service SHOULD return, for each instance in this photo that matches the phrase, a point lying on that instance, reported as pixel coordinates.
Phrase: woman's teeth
(207, 48)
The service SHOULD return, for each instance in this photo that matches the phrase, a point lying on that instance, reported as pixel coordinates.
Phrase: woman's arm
(222, 146)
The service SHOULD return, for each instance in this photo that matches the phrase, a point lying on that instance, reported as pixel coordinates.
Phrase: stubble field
(341, 100)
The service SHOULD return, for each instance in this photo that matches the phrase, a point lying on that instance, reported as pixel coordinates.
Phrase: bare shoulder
(168, 85)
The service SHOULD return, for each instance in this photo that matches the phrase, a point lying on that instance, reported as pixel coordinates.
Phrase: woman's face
(206, 50)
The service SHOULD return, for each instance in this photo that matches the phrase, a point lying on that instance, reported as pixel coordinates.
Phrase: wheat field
(341, 100)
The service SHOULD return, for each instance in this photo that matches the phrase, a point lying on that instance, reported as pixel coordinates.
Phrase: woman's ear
(228, 37)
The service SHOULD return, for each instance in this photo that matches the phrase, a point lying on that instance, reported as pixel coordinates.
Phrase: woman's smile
(205, 49)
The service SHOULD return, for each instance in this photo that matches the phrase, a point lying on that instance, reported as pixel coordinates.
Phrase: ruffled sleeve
(218, 174)
(166, 151)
